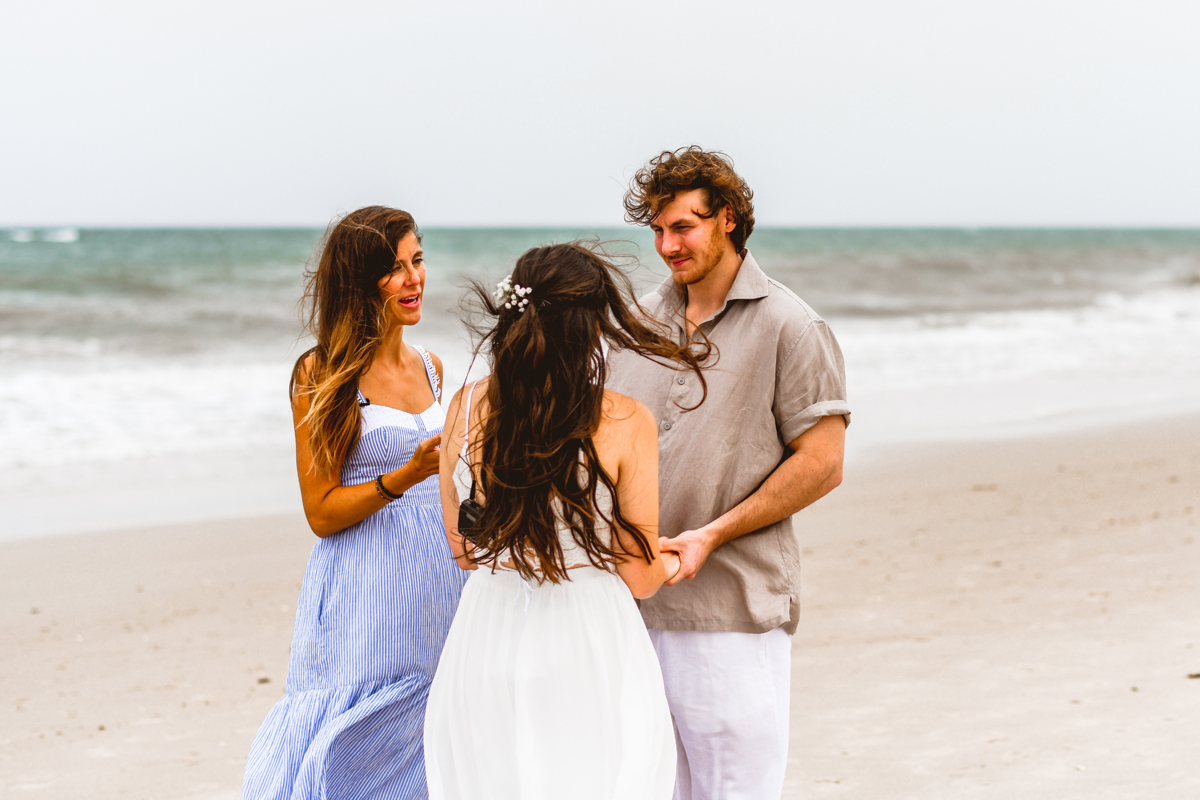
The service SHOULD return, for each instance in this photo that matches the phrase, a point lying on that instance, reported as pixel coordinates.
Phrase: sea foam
(1154, 333)
(114, 411)
(61, 235)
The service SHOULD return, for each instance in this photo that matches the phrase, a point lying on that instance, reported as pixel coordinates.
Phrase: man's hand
(693, 549)
(812, 471)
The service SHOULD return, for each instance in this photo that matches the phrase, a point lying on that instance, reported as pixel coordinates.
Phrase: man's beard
(704, 262)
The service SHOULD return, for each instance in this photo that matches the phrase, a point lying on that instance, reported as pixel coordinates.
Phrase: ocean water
(135, 344)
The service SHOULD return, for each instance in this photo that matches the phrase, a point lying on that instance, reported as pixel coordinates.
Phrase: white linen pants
(729, 695)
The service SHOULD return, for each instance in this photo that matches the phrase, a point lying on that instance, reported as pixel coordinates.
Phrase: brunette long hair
(345, 313)
(539, 470)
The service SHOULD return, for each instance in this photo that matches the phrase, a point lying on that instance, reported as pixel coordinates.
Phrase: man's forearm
(799, 481)
(807, 475)
(812, 471)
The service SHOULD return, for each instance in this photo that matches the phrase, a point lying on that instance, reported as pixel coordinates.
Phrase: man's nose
(670, 243)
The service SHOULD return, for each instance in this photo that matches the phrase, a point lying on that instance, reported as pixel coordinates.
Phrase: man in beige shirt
(766, 442)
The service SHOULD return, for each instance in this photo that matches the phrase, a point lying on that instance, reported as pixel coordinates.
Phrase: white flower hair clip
(512, 295)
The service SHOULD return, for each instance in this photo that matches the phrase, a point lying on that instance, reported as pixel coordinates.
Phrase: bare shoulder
(627, 433)
(624, 412)
(474, 388)
(474, 394)
(304, 366)
(480, 386)
(437, 362)
(300, 383)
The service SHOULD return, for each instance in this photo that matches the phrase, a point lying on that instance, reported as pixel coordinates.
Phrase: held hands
(424, 461)
(670, 563)
(692, 548)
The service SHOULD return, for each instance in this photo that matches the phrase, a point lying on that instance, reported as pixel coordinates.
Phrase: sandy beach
(1010, 619)
(994, 619)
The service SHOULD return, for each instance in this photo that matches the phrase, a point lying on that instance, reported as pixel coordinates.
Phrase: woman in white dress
(548, 686)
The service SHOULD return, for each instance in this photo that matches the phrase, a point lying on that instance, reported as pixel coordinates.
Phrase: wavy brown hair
(685, 169)
(539, 469)
(344, 312)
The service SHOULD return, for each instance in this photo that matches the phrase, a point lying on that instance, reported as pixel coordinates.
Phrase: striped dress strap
(434, 382)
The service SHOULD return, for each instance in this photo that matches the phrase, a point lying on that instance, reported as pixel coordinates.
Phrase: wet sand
(980, 620)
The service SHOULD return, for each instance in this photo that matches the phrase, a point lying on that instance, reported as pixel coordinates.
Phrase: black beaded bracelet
(384, 493)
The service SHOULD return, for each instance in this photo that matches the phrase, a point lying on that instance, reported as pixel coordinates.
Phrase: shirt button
(666, 426)
(682, 381)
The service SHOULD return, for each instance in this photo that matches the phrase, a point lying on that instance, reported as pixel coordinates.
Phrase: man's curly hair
(685, 169)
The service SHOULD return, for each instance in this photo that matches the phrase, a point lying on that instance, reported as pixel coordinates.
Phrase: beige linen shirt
(778, 371)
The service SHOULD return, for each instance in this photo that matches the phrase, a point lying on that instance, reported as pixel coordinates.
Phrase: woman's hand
(670, 563)
(424, 461)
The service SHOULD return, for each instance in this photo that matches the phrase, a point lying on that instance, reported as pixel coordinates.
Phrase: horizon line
(611, 226)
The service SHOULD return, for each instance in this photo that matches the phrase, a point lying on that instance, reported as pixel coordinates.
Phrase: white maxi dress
(548, 691)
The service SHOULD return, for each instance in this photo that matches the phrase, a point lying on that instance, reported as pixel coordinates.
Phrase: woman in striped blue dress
(381, 586)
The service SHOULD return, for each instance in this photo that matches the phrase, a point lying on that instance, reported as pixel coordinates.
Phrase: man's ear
(728, 221)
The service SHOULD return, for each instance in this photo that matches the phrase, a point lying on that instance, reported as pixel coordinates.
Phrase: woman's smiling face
(403, 288)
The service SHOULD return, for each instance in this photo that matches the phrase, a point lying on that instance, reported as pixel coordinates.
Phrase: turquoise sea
(122, 344)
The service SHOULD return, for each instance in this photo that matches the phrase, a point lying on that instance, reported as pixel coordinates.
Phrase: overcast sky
(250, 112)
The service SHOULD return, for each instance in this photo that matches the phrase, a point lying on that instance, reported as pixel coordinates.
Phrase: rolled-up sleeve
(810, 381)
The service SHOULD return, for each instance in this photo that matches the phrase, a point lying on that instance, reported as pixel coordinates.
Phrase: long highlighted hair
(539, 469)
(345, 313)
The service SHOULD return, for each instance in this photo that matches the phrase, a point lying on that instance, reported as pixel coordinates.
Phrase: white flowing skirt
(548, 692)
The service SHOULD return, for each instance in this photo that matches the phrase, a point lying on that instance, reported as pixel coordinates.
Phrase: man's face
(691, 245)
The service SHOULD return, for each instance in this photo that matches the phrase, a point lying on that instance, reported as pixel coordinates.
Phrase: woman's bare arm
(331, 507)
(636, 434)
(453, 433)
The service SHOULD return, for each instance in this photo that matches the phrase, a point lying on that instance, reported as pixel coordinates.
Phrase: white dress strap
(467, 424)
(435, 383)
(464, 476)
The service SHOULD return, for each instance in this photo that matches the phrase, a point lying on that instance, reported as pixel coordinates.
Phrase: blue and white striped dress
(376, 605)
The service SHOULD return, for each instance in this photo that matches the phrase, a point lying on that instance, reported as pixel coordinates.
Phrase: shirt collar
(750, 283)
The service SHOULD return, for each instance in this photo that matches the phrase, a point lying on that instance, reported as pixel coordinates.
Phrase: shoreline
(180, 489)
(260, 481)
(975, 617)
